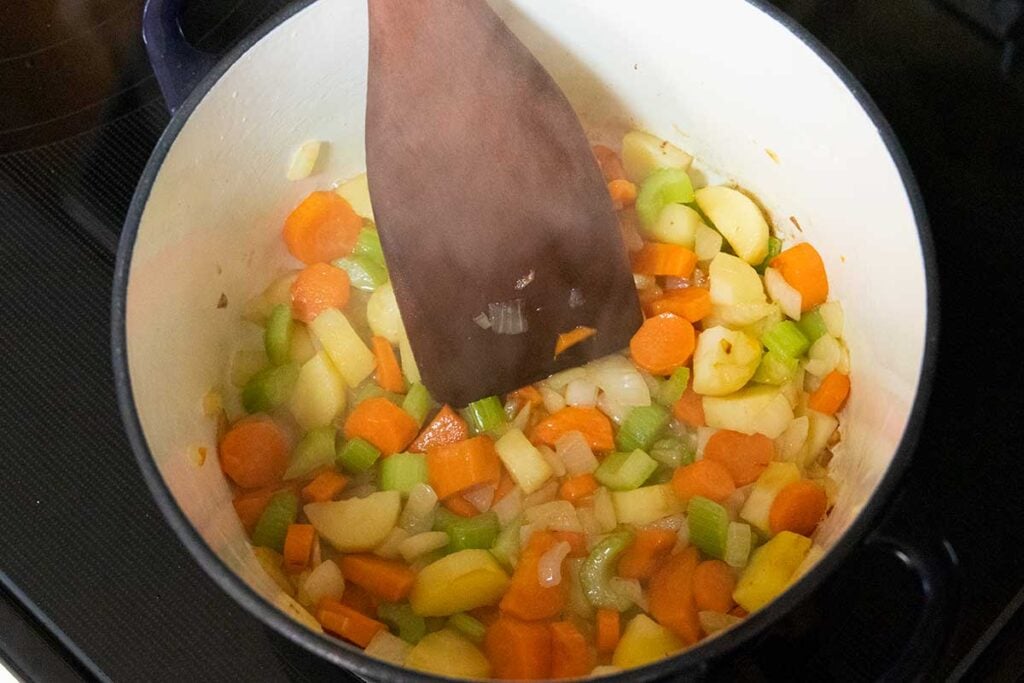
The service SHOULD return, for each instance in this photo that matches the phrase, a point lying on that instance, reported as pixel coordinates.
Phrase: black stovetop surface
(94, 583)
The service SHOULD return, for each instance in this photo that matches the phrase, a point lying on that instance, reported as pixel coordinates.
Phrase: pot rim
(693, 660)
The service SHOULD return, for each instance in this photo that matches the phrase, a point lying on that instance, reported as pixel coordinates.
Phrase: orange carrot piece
(254, 453)
(249, 506)
(689, 409)
(657, 258)
(324, 487)
(526, 599)
(831, 394)
(663, 343)
(670, 595)
(575, 489)
(706, 478)
(798, 507)
(611, 165)
(577, 541)
(802, 268)
(608, 630)
(570, 655)
(528, 394)
(623, 193)
(645, 554)
(460, 506)
(317, 288)
(518, 650)
(359, 599)
(389, 374)
(692, 303)
(383, 424)
(505, 485)
(713, 584)
(571, 338)
(298, 547)
(322, 228)
(446, 428)
(453, 468)
(744, 455)
(388, 580)
(591, 422)
(347, 623)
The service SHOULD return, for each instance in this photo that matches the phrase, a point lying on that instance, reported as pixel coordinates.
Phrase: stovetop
(94, 583)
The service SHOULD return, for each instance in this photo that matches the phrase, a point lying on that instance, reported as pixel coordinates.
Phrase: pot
(733, 82)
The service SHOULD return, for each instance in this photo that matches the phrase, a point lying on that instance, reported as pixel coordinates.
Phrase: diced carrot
(577, 541)
(324, 487)
(802, 268)
(254, 453)
(346, 622)
(798, 507)
(318, 287)
(692, 303)
(663, 343)
(359, 599)
(689, 409)
(573, 337)
(389, 374)
(570, 655)
(383, 424)
(611, 165)
(670, 595)
(505, 485)
(322, 228)
(831, 394)
(706, 478)
(486, 614)
(298, 547)
(713, 584)
(591, 422)
(446, 428)
(623, 193)
(575, 489)
(528, 394)
(744, 455)
(526, 599)
(453, 468)
(388, 580)
(249, 505)
(608, 630)
(647, 551)
(460, 506)
(658, 258)
(518, 650)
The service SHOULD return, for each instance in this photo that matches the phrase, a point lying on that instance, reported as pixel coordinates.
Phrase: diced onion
(670, 523)
(575, 297)
(629, 589)
(713, 622)
(303, 160)
(522, 419)
(616, 411)
(509, 507)
(588, 520)
(388, 647)
(480, 497)
(359, 491)
(703, 434)
(507, 317)
(791, 442)
(525, 531)
(604, 510)
(482, 320)
(832, 314)
(553, 401)
(617, 377)
(737, 544)
(421, 544)
(545, 494)
(811, 380)
(575, 453)
(325, 581)
(782, 293)
(560, 380)
(554, 462)
(418, 515)
(707, 243)
(388, 548)
(683, 536)
(549, 566)
(557, 515)
(677, 282)
(823, 356)
(644, 281)
(843, 366)
(581, 393)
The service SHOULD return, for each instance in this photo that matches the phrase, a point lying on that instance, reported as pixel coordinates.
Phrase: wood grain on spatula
(485, 190)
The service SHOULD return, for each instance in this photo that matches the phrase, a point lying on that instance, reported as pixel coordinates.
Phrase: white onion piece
(545, 494)
(418, 514)
(480, 497)
(360, 491)
(522, 419)
(683, 536)
(736, 499)
(644, 281)
(482, 320)
(588, 521)
(790, 443)
(421, 544)
(560, 380)
(670, 523)
(616, 411)
(303, 160)
(823, 356)
(576, 297)
(575, 453)
(812, 380)
(832, 314)
(707, 243)
(553, 401)
(617, 377)
(326, 581)
(389, 648)
(557, 515)
(677, 282)
(604, 510)
(554, 462)
(525, 531)
(509, 507)
(388, 548)
(703, 434)
(507, 317)
(843, 366)
(713, 622)
(549, 566)
(629, 589)
(782, 293)
(581, 393)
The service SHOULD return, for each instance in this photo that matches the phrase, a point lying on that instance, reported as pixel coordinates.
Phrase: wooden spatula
(490, 205)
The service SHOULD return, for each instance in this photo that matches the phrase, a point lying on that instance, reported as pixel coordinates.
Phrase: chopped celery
(411, 627)
(473, 532)
(417, 402)
(467, 626)
(673, 451)
(786, 339)
(444, 518)
(357, 455)
(642, 426)
(662, 475)
(315, 450)
(506, 545)
(709, 526)
(774, 249)
(622, 471)
(277, 337)
(368, 246)
(401, 471)
(364, 273)
(372, 390)
(598, 569)
(674, 387)
(280, 513)
(269, 388)
(662, 187)
(738, 540)
(485, 415)
(813, 326)
(775, 369)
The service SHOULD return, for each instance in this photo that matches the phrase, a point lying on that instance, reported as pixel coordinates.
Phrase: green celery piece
(786, 339)
(775, 369)
(506, 545)
(474, 532)
(674, 387)
(662, 475)
(277, 337)
(624, 471)
(485, 415)
(368, 246)
(673, 451)
(709, 526)
(812, 325)
(280, 513)
(738, 540)
(269, 388)
(642, 427)
(598, 569)
(411, 627)
(662, 187)
(468, 626)
(417, 402)
(315, 450)
(401, 471)
(357, 455)
(363, 272)
(371, 389)
(444, 518)
(774, 249)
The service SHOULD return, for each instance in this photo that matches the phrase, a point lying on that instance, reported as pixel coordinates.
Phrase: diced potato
(739, 220)
(524, 462)
(733, 281)
(447, 653)
(644, 641)
(760, 409)
(819, 429)
(326, 581)
(302, 347)
(270, 560)
(707, 243)
(770, 571)
(676, 224)
(643, 153)
(356, 523)
(351, 357)
(724, 361)
(319, 393)
(258, 309)
(356, 191)
(646, 504)
(383, 315)
(292, 608)
(459, 582)
(759, 503)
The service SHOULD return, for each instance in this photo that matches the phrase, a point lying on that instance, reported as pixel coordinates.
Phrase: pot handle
(177, 65)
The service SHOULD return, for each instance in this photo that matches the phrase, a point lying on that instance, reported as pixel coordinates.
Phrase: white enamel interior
(720, 79)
